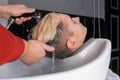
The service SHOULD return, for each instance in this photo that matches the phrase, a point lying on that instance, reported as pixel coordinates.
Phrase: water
(39, 68)
(53, 62)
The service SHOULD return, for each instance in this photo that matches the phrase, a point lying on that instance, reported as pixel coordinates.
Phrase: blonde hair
(45, 30)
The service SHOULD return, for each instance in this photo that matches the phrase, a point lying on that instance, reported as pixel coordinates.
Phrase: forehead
(64, 19)
(63, 16)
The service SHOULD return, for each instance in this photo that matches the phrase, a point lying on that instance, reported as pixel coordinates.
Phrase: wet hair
(53, 32)
(45, 30)
(60, 43)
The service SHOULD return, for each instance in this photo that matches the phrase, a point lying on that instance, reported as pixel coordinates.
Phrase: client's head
(66, 34)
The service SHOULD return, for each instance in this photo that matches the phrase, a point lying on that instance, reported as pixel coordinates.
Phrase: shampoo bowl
(90, 62)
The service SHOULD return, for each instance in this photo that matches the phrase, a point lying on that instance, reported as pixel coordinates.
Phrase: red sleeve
(11, 46)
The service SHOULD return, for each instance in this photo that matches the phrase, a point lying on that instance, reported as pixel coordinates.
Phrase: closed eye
(60, 26)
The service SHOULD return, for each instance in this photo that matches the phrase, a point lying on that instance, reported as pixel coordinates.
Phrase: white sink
(90, 62)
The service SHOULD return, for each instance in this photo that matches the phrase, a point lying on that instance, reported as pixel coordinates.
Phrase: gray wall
(80, 7)
(3, 1)
(3, 21)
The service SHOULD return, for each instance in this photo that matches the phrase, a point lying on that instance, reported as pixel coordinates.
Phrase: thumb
(47, 47)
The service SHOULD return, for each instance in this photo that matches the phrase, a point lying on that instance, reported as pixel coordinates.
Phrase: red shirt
(11, 46)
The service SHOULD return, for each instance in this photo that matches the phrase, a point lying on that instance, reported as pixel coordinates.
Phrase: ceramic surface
(90, 62)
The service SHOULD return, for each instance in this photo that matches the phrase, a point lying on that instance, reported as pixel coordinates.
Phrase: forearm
(11, 47)
(7, 10)
(2, 10)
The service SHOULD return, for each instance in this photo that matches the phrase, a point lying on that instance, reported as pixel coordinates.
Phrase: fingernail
(52, 48)
(33, 9)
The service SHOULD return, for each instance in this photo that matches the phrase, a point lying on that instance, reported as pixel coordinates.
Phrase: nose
(77, 19)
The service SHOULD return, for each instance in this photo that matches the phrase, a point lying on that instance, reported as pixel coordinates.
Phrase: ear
(71, 43)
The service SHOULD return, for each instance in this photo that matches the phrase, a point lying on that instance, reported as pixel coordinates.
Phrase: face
(76, 28)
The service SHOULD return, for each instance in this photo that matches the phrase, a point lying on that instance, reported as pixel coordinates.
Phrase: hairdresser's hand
(34, 51)
(16, 10)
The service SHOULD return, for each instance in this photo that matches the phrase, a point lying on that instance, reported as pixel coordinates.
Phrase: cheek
(80, 29)
(80, 34)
